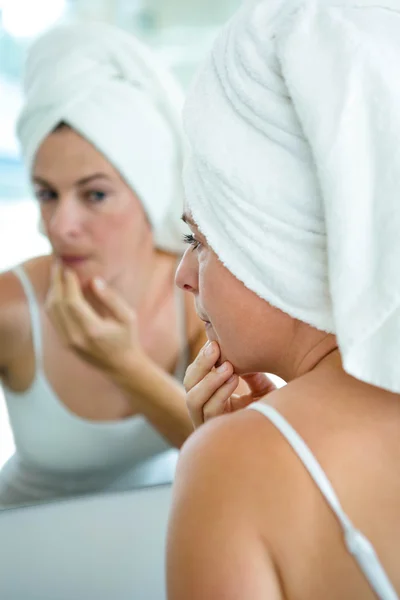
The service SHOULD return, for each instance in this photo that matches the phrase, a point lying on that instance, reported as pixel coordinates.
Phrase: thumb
(112, 301)
(259, 383)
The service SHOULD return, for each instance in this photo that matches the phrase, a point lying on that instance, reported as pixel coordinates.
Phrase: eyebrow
(82, 181)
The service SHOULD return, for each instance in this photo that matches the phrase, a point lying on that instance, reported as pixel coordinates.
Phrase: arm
(160, 398)
(14, 323)
(111, 344)
(110, 341)
(157, 396)
(216, 549)
(165, 398)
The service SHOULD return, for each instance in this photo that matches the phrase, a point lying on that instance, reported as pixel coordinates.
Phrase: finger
(54, 302)
(56, 290)
(58, 321)
(259, 383)
(201, 393)
(203, 363)
(219, 403)
(55, 268)
(77, 311)
(112, 301)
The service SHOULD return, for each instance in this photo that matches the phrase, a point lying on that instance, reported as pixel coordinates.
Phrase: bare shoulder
(11, 291)
(38, 270)
(246, 512)
(241, 445)
(219, 543)
(14, 313)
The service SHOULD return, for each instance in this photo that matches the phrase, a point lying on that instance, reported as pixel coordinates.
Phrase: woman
(101, 139)
(292, 186)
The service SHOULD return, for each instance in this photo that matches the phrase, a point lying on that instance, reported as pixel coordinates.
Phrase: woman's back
(356, 446)
(353, 430)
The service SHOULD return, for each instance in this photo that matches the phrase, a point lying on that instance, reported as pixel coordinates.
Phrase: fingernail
(222, 368)
(209, 349)
(99, 283)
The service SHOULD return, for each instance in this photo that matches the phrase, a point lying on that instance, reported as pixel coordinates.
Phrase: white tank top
(59, 453)
(357, 544)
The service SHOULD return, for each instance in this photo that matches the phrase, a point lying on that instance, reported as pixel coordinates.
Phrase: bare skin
(89, 211)
(84, 389)
(247, 520)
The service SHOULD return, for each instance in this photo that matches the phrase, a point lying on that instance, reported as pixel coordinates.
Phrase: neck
(143, 286)
(308, 352)
(317, 355)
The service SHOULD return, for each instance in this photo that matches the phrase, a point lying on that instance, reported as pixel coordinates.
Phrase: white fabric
(357, 544)
(61, 454)
(102, 82)
(293, 171)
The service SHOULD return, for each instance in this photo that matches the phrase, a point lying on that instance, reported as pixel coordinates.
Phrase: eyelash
(188, 238)
(95, 196)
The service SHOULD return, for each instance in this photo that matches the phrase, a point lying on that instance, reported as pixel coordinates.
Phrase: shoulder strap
(357, 544)
(34, 312)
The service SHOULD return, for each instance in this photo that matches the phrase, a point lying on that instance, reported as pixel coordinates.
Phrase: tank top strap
(357, 544)
(34, 311)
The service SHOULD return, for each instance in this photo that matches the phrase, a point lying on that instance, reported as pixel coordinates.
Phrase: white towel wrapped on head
(108, 87)
(293, 172)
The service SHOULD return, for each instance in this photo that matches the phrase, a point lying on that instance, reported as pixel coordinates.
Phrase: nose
(187, 274)
(65, 220)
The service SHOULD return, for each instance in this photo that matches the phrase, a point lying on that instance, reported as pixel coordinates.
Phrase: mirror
(68, 426)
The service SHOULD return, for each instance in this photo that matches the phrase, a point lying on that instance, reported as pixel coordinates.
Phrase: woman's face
(95, 223)
(253, 335)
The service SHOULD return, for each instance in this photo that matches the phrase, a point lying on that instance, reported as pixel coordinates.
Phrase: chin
(213, 337)
(239, 363)
(83, 271)
(242, 363)
(226, 355)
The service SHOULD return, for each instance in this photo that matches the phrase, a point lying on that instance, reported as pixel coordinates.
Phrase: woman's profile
(292, 196)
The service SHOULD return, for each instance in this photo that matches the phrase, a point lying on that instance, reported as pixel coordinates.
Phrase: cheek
(228, 305)
(119, 230)
(103, 230)
(207, 281)
(215, 291)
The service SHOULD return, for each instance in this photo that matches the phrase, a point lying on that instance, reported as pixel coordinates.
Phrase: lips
(72, 260)
(206, 321)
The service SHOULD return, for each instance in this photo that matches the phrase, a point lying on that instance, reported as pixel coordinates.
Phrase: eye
(44, 195)
(96, 196)
(188, 238)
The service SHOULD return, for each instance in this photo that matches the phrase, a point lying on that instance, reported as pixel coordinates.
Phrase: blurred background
(180, 31)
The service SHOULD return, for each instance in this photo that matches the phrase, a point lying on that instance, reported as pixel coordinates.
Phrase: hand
(103, 341)
(210, 390)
